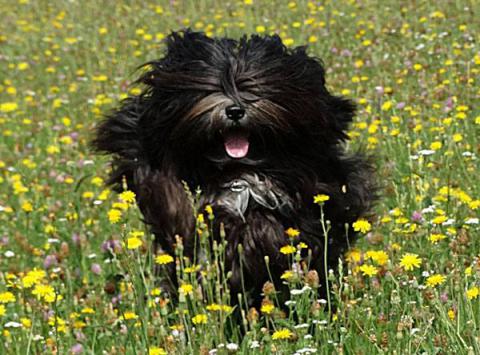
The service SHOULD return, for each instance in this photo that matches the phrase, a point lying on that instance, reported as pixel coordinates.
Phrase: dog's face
(237, 102)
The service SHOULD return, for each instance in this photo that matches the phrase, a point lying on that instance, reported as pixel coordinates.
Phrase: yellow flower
(46, 292)
(127, 196)
(282, 334)
(154, 350)
(267, 308)
(2, 310)
(368, 270)
(292, 232)
(410, 261)
(8, 106)
(435, 280)
(387, 105)
(33, 277)
(287, 249)
(353, 256)
(439, 219)
(134, 243)
(287, 275)
(457, 137)
(434, 238)
(417, 67)
(27, 323)
(114, 215)
(129, 315)
(451, 314)
(200, 319)
(209, 210)
(473, 293)
(436, 145)
(320, 199)
(186, 289)
(362, 225)
(260, 29)
(191, 269)
(164, 259)
(27, 206)
(213, 307)
(379, 257)
(7, 297)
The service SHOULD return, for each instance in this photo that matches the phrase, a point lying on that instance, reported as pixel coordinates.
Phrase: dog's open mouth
(236, 144)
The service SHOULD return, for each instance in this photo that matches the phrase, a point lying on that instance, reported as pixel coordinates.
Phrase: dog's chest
(248, 191)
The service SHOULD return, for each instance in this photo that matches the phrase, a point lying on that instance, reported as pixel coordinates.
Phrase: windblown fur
(292, 128)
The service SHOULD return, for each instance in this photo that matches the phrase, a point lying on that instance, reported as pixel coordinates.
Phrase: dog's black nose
(235, 112)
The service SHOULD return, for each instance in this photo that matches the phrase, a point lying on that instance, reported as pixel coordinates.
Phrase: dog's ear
(119, 136)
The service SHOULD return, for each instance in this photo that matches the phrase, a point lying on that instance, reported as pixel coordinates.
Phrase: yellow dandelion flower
(417, 67)
(154, 350)
(209, 209)
(2, 310)
(380, 257)
(186, 289)
(134, 243)
(33, 277)
(213, 307)
(457, 137)
(260, 29)
(114, 215)
(27, 207)
(410, 261)
(282, 334)
(46, 292)
(267, 308)
(7, 297)
(354, 256)
(127, 196)
(436, 145)
(292, 232)
(27, 323)
(164, 259)
(387, 105)
(451, 314)
(435, 280)
(287, 275)
(368, 270)
(362, 225)
(320, 199)
(302, 245)
(473, 293)
(8, 106)
(129, 315)
(439, 220)
(435, 238)
(287, 249)
(200, 319)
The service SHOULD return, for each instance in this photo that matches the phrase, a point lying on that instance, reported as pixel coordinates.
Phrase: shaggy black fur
(259, 163)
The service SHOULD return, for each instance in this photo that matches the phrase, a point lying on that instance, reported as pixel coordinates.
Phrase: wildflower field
(76, 269)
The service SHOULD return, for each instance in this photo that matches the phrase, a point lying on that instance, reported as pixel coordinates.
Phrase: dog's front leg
(167, 208)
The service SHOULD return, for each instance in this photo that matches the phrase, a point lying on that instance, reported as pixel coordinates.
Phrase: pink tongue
(236, 146)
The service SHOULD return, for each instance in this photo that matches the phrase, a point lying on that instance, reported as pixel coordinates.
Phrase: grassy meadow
(75, 262)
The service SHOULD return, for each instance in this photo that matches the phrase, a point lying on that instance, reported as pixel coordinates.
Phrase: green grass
(413, 68)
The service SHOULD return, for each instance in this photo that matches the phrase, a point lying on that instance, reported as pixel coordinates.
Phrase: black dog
(251, 123)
